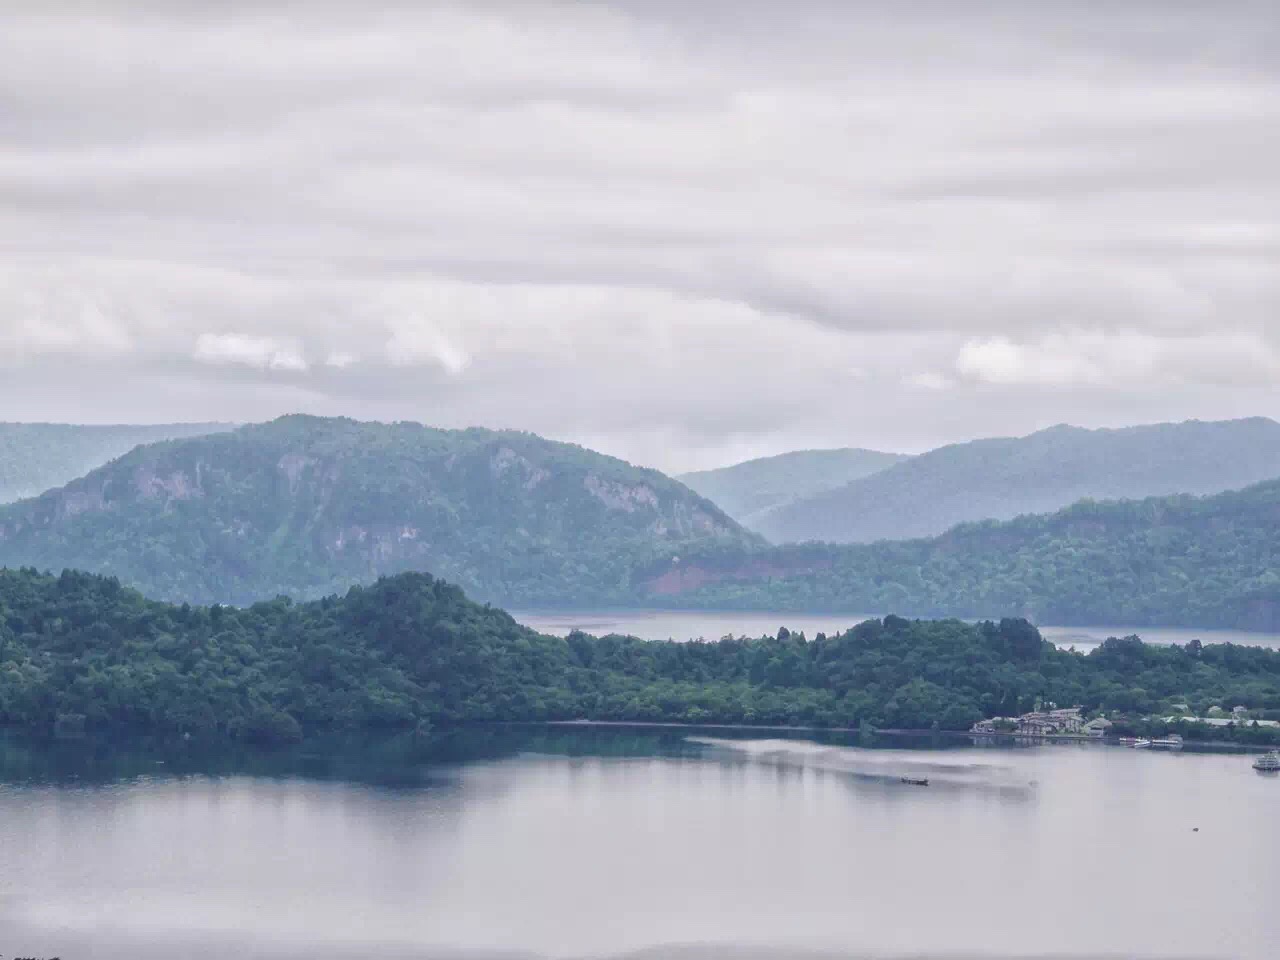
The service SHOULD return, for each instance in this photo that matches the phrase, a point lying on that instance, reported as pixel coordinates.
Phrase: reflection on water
(878, 766)
(602, 843)
(387, 761)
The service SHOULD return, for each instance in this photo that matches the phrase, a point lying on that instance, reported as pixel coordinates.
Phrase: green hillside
(35, 457)
(1179, 561)
(305, 506)
(748, 491)
(1004, 478)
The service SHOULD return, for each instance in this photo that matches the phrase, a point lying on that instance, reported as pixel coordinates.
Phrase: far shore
(1188, 745)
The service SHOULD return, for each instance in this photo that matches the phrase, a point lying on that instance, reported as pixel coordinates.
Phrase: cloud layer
(680, 232)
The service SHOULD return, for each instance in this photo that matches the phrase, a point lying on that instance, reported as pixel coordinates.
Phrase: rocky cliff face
(303, 505)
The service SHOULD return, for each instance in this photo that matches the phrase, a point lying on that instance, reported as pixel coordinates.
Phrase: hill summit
(307, 506)
(37, 456)
(750, 491)
(1004, 477)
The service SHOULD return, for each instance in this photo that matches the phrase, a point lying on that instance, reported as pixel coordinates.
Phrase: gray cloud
(678, 232)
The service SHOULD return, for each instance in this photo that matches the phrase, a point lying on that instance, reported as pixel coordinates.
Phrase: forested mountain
(35, 457)
(1005, 477)
(1179, 561)
(305, 506)
(80, 650)
(750, 490)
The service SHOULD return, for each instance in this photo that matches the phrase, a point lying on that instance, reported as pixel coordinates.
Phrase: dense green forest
(306, 506)
(1184, 560)
(412, 651)
(1002, 478)
(749, 491)
(37, 456)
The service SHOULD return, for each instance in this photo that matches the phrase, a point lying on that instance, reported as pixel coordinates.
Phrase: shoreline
(1189, 745)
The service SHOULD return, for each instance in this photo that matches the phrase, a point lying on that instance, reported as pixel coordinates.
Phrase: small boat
(1171, 742)
(1268, 762)
(916, 781)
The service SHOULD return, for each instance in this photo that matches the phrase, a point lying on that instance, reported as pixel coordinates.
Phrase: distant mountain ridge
(1001, 478)
(35, 457)
(750, 490)
(1211, 561)
(307, 506)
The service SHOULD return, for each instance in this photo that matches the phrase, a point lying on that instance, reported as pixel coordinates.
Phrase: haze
(682, 236)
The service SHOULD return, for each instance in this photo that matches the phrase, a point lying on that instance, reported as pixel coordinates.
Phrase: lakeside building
(1041, 723)
(1037, 723)
(1035, 727)
(1222, 721)
(1098, 727)
(1067, 720)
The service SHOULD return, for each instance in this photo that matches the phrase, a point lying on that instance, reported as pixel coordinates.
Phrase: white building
(1098, 727)
(1066, 720)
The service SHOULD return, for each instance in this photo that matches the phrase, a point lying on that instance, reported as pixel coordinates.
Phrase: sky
(683, 234)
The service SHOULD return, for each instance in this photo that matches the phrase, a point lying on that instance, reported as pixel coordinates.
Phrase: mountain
(748, 491)
(1176, 561)
(35, 457)
(1005, 477)
(306, 506)
(80, 651)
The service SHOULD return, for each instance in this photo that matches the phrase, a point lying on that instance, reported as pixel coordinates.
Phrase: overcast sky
(682, 233)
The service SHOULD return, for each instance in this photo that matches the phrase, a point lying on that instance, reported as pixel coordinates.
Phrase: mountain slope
(307, 506)
(1004, 477)
(1177, 561)
(748, 491)
(35, 457)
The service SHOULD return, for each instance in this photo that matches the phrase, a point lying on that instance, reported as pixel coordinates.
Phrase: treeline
(79, 650)
(1177, 561)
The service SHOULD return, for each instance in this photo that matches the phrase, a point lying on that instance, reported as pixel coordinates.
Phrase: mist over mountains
(752, 491)
(307, 506)
(1002, 478)
(37, 456)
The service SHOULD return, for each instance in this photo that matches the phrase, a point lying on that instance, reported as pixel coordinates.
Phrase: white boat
(1269, 762)
(1171, 742)
(1141, 744)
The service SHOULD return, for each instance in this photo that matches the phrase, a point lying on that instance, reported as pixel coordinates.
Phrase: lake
(564, 842)
(712, 625)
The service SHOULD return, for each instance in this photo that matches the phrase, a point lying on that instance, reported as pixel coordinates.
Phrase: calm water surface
(712, 625)
(601, 843)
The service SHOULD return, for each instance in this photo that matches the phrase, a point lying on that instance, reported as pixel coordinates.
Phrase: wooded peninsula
(411, 652)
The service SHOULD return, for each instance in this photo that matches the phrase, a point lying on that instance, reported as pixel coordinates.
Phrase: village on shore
(1052, 721)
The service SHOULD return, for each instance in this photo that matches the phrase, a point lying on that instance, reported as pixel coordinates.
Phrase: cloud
(415, 342)
(42, 317)
(927, 380)
(261, 353)
(1096, 358)
(732, 229)
(340, 360)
